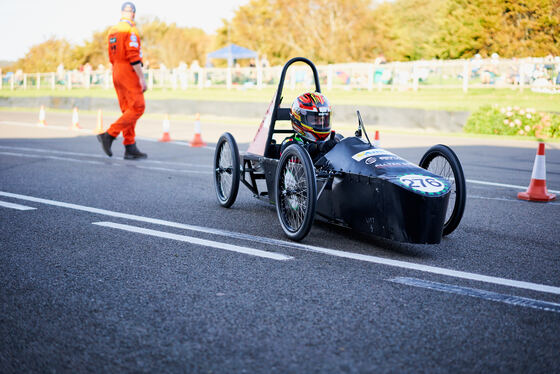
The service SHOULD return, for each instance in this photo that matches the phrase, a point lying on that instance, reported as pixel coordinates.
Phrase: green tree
(93, 51)
(46, 56)
(324, 30)
(170, 44)
(508, 27)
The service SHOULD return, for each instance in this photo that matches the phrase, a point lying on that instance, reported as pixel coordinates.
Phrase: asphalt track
(109, 265)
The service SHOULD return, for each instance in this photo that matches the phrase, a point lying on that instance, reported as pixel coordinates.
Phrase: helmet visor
(319, 121)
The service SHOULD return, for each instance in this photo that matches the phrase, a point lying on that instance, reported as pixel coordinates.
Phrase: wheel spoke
(224, 170)
(440, 166)
(294, 193)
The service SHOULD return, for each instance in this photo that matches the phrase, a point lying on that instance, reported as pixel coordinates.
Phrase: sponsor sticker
(369, 153)
(133, 38)
(370, 160)
(113, 40)
(391, 164)
(424, 183)
(133, 44)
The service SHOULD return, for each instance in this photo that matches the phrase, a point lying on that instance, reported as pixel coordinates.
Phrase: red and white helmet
(311, 116)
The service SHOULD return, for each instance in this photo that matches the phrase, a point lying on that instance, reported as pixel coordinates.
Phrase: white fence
(539, 74)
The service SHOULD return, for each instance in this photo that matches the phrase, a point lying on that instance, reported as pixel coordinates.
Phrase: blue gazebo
(233, 52)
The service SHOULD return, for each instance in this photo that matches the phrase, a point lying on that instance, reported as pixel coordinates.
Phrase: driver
(311, 120)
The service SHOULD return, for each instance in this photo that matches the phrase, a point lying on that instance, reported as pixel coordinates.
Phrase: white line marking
(198, 241)
(52, 158)
(108, 162)
(304, 247)
(474, 181)
(481, 294)
(503, 199)
(89, 131)
(42, 150)
(174, 170)
(6, 204)
(177, 142)
(28, 124)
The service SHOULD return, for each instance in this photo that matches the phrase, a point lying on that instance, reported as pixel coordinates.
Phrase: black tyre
(296, 192)
(442, 161)
(226, 170)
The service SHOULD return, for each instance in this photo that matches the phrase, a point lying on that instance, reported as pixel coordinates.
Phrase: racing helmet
(311, 116)
(129, 7)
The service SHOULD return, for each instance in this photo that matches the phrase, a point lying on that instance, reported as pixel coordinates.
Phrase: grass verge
(425, 98)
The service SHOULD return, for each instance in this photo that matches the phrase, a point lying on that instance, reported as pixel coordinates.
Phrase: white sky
(24, 23)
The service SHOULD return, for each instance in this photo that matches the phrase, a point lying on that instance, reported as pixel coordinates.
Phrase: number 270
(421, 182)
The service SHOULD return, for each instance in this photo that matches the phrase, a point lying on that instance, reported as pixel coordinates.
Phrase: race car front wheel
(296, 192)
(442, 161)
(226, 170)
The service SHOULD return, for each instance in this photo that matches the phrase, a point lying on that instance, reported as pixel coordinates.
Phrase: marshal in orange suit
(125, 54)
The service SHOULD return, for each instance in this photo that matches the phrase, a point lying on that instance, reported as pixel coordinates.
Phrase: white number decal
(422, 183)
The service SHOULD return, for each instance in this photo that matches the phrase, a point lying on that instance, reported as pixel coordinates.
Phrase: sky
(25, 23)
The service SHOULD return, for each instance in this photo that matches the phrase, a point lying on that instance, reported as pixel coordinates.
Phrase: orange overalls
(124, 52)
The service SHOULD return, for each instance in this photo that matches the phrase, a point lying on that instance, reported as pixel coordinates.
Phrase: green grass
(426, 98)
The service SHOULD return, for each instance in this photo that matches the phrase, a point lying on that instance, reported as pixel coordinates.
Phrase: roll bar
(283, 114)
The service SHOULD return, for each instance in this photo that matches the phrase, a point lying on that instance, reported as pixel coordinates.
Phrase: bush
(513, 121)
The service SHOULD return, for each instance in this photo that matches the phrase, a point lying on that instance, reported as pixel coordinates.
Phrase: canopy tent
(232, 52)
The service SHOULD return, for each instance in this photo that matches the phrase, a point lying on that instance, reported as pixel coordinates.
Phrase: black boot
(133, 153)
(106, 140)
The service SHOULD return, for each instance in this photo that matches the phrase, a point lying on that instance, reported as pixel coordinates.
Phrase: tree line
(336, 31)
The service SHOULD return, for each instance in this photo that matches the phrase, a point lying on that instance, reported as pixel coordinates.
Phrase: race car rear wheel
(442, 161)
(296, 192)
(226, 170)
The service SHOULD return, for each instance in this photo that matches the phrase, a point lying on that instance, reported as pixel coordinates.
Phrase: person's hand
(143, 84)
(332, 140)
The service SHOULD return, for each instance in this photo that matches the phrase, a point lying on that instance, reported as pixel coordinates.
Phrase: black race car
(355, 184)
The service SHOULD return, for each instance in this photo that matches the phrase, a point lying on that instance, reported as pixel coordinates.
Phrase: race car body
(375, 191)
(355, 184)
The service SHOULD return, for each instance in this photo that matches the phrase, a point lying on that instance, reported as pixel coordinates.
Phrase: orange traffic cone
(99, 127)
(166, 125)
(75, 120)
(376, 142)
(537, 188)
(197, 140)
(42, 116)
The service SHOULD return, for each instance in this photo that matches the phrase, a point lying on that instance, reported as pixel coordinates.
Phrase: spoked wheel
(226, 170)
(296, 192)
(442, 161)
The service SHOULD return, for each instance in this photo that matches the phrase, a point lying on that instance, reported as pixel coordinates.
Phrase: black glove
(327, 145)
(312, 149)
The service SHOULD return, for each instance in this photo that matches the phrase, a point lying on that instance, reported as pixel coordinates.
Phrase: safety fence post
(415, 76)
(371, 72)
(293, 79)
(330, 72)
(1, 79)
(25, 81)
(38, 84)
(395, 73)
(12, 82)
(228, 78)
(466, 74)
(202, 78)
(88, 79)
(174, 79)
(53, 81)
(69, 80)
(106, 79)
(259, 76)
(151, 79)
(198, 75)
(521, 70)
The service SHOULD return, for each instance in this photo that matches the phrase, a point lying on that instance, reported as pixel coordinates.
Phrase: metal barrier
(539, 74)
